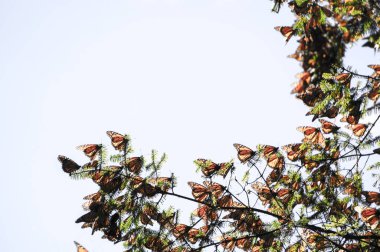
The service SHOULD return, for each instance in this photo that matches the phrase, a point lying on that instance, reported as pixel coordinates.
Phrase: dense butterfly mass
(319, 193)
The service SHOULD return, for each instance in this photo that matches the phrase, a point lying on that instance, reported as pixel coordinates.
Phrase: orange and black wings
(244, 153)
(119, 141)
(90, 150)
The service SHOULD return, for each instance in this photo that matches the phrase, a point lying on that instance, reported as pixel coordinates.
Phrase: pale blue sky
(185, 77)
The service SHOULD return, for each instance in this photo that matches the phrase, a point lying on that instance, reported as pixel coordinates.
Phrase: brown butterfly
(228, 243)
(284, 195)
(134, 164)
(119, 141)
(376, 68)
(208, 167)
(225, 201)
(312, 135)
(244, 243)
(369, 215)
(328, 127)
(206, 213)
(244, 153)
(267, 150)
(164, 183)
(108, 182)
(359, 129)
(294, 151)
(274, 159)
(180, 230)
(263, 192)
(80, 248)
(372, 197)
(90, 150)
(203, 193)
(68, 165)
(141, 186)
(196, 233)
(344, 78)
(286, 31)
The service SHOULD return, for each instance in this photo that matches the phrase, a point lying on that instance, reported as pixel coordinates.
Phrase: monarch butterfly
(311, 96)
(244, 153)
(274, 159)
(93, 196)
(202, 193)
(68, 165)
(274, 176)
(164, 183)
(328, 127)
(90, 150)
(350, 119)
(87, 217)
(225, 201)
(369, 215)
(312, 135)
(263, 192)
(80, 248)
(267, 150)
(90, 165)
(376, 68)
(134, 164)
(286, 31)
(199, 192)
(208, 167)
(299, 88)
(358, 129)
(92, 205)
(294, 151)
(195, 233)
(118, 141)
(372, 197)
(309, 163)
(228, 243)
(284, 195)
(375, 92)
(180, 230)
(206, 213)
(141, 186)
(344, 78)
(244, 243)
(108, 182)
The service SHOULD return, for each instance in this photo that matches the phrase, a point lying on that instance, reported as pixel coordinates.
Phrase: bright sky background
(185, 77)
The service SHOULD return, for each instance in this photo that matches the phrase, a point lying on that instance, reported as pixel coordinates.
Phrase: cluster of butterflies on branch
(312, 196)
(126, 199)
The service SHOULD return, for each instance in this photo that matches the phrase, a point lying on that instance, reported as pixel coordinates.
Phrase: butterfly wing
(244, 153)
(328, 127)
(199, 192)
(359, 129)
(119, 141)
(134, 164)
(90, 150)
(80, 248)
(207, 166)
(286, 31)
(68, 165)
